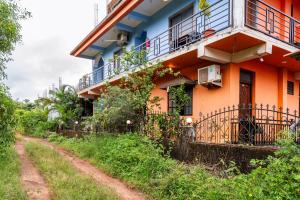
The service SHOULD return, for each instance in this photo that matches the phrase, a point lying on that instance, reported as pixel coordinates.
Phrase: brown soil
(122, 190)
(32, 180)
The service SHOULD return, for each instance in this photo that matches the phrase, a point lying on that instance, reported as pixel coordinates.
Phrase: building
(254, 43)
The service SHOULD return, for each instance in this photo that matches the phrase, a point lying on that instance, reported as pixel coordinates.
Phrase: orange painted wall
(266, 88)
(293, 100)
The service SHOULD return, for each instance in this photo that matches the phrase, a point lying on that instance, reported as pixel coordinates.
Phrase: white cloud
(56, 27)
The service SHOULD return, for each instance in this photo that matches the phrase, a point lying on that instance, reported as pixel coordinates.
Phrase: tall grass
(10, 181)
(140, 162)
(64, 181)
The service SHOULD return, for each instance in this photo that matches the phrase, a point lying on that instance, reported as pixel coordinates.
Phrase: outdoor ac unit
(210, 76)
(123, 38)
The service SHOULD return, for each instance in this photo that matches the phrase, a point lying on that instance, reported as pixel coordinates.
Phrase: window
(98, 70)
(188, 108)
(290, 88)
(182, 27)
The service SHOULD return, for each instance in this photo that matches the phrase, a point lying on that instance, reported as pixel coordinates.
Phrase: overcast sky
(55, 28)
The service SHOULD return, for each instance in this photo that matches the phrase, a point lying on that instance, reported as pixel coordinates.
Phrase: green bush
(140, 162)
(34, 122)
(7, 121)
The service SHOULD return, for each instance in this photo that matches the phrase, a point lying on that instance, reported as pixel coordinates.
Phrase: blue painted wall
(157, 24)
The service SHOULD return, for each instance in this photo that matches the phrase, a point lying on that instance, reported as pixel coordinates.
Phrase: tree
(131, 98)
(7, 120)
(65, 101)
(10, 16)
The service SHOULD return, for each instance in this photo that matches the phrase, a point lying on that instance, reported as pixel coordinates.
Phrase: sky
(43, 56)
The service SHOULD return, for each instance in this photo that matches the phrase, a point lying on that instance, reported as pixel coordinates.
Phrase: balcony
(185, 33)
(225, 15)
(272, 22)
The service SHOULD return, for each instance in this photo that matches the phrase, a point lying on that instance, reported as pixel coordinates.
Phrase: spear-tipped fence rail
(257, 125)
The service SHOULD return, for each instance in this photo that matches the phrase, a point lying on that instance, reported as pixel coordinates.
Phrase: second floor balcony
(259, 21)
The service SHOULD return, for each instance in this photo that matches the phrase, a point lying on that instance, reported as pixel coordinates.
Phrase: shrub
(34, 122)
(140, 162)
(7, 121)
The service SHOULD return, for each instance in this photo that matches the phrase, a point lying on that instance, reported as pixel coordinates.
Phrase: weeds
(140, 162)
(10, 182)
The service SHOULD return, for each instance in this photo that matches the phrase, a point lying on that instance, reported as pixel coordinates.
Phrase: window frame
(189, 89)
(290, 91)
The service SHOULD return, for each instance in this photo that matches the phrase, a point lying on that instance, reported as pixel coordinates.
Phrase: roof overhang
(121, 11)
(176, 82)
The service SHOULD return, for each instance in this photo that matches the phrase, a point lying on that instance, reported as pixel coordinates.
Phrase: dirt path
(122, 190)
(32, 180)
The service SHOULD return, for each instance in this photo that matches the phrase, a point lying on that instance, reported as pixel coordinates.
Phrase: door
(246, 79)
(247, 124)
(181, 27)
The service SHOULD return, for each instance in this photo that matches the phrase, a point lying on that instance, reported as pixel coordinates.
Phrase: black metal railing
(185, 33)
(256, 125)
(272, 22)
(251, 124)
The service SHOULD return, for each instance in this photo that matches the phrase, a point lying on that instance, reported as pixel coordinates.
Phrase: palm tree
(66, 102)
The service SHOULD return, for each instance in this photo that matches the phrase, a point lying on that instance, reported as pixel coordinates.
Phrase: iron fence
(257, 125)
(248, 124)
(272, 22)
(189, 31)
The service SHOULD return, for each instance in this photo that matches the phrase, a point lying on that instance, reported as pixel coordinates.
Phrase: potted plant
(204, 6)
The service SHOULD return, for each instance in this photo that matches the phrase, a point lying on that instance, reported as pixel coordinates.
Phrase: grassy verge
(10, 182)
(139, 161)
(64, 181)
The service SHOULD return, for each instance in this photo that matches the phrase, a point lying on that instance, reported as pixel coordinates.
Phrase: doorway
(247, 123)
(246, 91)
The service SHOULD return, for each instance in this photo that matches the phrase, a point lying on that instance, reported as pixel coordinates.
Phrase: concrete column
(234, 82)
(238, 13)
(282, 88)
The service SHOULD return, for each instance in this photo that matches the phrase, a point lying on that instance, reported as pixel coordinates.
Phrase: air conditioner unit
(123, 38)
(210, 76)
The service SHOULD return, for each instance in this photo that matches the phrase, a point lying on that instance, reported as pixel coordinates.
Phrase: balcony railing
(185, 33)
(272, 22)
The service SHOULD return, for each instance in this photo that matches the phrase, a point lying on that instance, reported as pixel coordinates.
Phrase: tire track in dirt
(122, 190)
(32, 181)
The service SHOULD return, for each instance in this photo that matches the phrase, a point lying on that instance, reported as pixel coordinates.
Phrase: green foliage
(180, 97)
(10, 15)
(66, 183)
(34, 122)
(131, 98)
(7, 120)
(66, 102)
(115, 107)
(10, 182)
(204, 6)
(139, 161)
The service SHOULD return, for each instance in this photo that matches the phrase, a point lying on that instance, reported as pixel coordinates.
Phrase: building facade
(234, 52)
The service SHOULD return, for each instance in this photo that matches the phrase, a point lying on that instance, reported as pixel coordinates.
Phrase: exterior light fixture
(261, 60)
(76, 122)
(128, 122)
(189, 120)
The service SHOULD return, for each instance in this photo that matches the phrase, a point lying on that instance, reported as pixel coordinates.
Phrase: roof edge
(101, 28)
